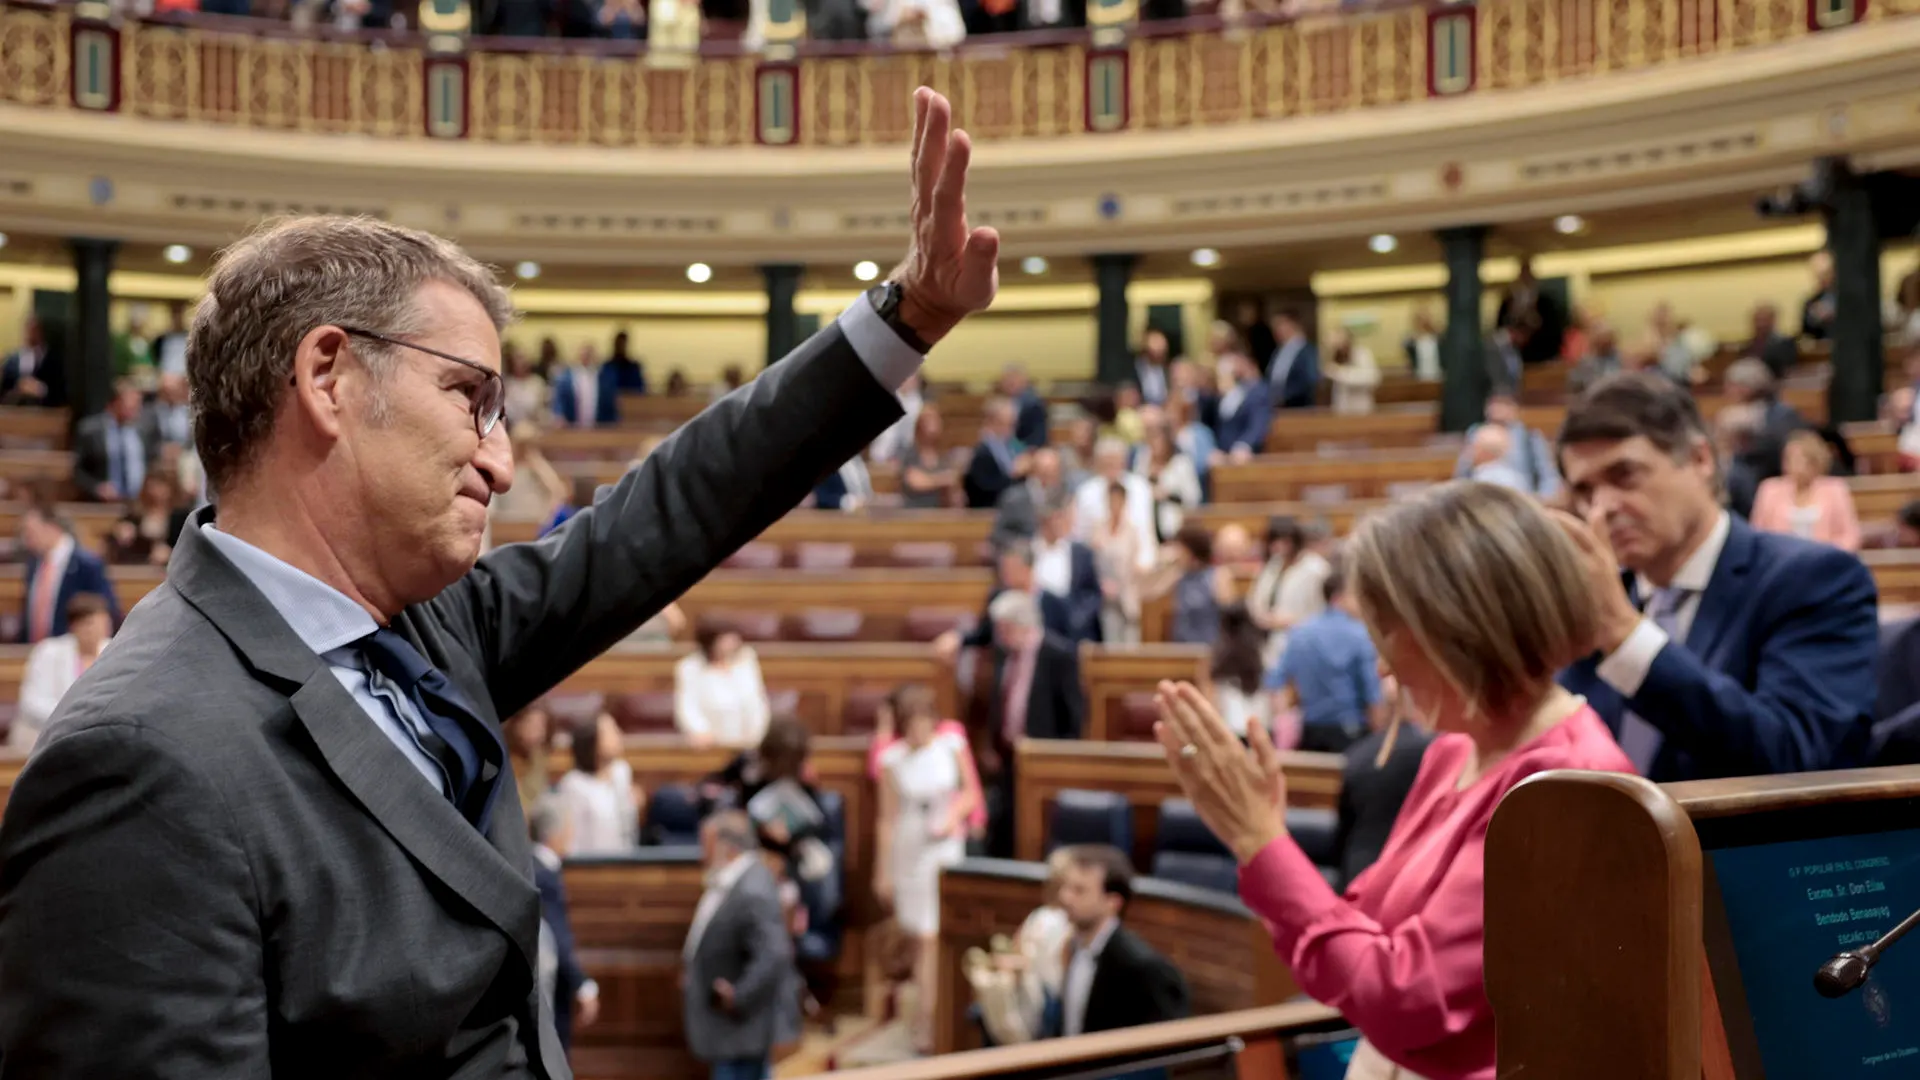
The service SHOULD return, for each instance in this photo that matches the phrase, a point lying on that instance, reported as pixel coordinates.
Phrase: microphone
(1845, 972)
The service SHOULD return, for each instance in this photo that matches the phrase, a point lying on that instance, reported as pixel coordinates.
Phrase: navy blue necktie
(469, 751)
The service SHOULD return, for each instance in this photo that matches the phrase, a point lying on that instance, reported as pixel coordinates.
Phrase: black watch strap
(885, 298)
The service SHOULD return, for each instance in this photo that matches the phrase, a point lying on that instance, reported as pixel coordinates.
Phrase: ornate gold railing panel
(51, 57)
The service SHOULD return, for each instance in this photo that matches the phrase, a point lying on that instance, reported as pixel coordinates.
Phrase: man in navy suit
(1726, 652)
(1064, 570)
(587, 395)
(1294, 370)
(57, 568)
(32, 374)
(1244, 415)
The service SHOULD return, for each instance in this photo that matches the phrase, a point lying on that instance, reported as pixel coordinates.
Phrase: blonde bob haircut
(1484, 582)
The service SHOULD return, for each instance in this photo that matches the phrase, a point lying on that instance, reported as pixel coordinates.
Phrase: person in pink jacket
(888, 723)
(1477, 598)
(1806, 502)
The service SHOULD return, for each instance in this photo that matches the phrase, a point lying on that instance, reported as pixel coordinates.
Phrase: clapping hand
(1239, 792)
(950, 271)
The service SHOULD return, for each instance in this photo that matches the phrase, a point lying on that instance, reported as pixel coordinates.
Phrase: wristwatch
(886, 298)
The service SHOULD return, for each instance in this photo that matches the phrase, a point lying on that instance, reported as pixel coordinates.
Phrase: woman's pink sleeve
(1405, 987)
(954, 728)
(875, 747)
(1846, 528)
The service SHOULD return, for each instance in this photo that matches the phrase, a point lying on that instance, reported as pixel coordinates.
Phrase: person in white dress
(55, 664)
(1353, 372)
(718, 694)
(926, 795)
(1288, 590)
(601, 802)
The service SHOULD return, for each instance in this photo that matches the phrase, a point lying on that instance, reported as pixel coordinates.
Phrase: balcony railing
(1201, 72)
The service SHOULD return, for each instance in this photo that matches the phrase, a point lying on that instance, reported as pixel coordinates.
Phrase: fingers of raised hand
(930, 158)
(1212, 731)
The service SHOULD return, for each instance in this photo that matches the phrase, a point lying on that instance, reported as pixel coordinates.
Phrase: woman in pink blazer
(1476, 598)
(1806, 502)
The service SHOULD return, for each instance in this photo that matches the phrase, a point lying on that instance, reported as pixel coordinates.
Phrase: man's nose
(494, 459)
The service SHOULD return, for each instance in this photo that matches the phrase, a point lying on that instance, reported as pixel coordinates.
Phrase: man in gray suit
(738, 957)
(265, 836)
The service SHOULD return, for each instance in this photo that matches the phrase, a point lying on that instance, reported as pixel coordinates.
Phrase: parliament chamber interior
(1311, 316)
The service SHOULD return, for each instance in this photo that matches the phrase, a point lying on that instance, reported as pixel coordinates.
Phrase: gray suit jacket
(216, 865)
(745, 943)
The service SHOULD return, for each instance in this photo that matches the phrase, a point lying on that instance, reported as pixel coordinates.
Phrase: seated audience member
(32, 374)
(1017, 987)
(1093, 498)
(1736, 437)
(1013, 565)
(934, 24)
(892, 445)
(928, 793)
(1528, 455)
(1116, 554)
(1379, 772)
(1601, 359)
(166, 420)
(999, 459)
(57, 570)
(1477, 597)
(718, 694)
(1076, 450)
(145, 536)
(1113, 979)
(1236, 672)
(1016, 515)
(1030, 423)
(1736, 652)
(1293, 372)
(1191, 432)
(1127, 424)
(629, 374)
(848, 488)
(738, 957)
(1234, 550)
(586, 393)
(110, 451)
(1198, 587)
(1768, 345)
(1150, 366)
(600, 799)
(574, 998)
(1176, 483)
(1330, 672)
(1749, 382)
(1290, 588)
(1065, 568)
(914, 699)
(528, 733)
(1353, 372)
(1487, 451)
(1805, 501)
(929, 474)
(1244, 412)
(1907, 522)
(56, 663)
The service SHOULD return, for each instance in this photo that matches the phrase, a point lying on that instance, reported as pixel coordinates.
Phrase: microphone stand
(1846, 971)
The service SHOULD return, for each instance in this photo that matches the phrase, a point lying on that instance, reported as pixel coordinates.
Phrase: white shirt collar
(725, 878)
(323, 617)
(1101, 936)
(1697, 572)
(548, 857)
(62, 552)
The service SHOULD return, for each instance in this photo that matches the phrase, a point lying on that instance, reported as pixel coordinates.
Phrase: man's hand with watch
(950, 271)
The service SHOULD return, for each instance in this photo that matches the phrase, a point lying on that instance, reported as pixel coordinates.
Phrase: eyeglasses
(488, 398)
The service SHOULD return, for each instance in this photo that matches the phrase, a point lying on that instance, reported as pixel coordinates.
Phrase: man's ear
(317, 364)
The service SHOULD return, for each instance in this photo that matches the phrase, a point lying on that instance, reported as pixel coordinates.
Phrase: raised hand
(950, 271)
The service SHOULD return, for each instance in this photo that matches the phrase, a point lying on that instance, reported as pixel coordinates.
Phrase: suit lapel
(1720, 602)
(360, 755)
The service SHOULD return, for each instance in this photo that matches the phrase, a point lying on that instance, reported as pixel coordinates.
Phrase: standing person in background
(601, 800)
(1176, 484)
(170, 348)
(110, 449)
(1768, 345)
(1093, 498)
(1199, 588)
(528, 394)
(1249, 326)
(738, 957)
(1290, 588)
(1423, 346)
(1379, 772)
(1030, 419)
(575, 999)
(586, 393)
(33, 374)
(1016, 515)
(1236, 670)
(57, 570)
(1330, 672)
(1805, 501)
(718, 694)
(1065, 568)
(999, 460)
(1816, 315)
(1476, 598)
(1294, 370)
(929, 473)
(1150, 366)
(55, 664)
(1732, 652)
(1116, 552)
(1244, 412)
(1353, 372)
(629, 375)
(928, 794)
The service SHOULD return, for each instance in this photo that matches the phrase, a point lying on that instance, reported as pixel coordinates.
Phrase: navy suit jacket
(1249, 423)
(1083, 599)
(86, 572)
(1030, 421)
(606, 403)
(1777, 672)
(567, 983)
(1302, 383)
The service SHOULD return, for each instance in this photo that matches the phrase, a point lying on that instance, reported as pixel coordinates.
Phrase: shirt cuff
(891, 360)
(1282, 886)
(1627, 667)
(589, 991)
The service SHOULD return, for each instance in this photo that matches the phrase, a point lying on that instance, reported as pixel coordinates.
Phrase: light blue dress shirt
(329, 623)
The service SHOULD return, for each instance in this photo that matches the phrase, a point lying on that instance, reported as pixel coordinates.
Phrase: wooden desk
(1119, 685)
(33, 468)
(1221, 948)
(34, 429)
(1138, 770)
(630, 918)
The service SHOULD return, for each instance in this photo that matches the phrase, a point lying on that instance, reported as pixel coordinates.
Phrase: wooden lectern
(1674, 933)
